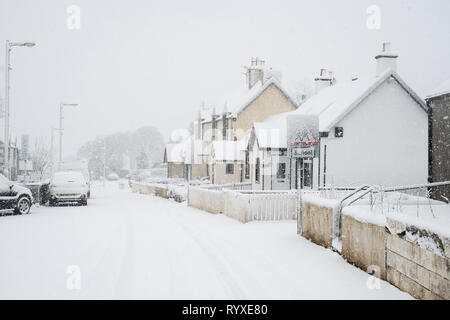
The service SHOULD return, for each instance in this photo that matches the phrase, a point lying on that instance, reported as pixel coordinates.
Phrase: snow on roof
(272, 132)
(175, 152)
(193, 149)
(235, 103)
(331, 105)
(227, 150)
(444, 88)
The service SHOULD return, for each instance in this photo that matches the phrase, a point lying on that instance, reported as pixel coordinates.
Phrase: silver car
(68, 187)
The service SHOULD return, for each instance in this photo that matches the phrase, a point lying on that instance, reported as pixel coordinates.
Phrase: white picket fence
(260, 206)
(272, 206)
(230, 186)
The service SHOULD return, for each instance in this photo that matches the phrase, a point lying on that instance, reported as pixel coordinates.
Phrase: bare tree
(40, 156)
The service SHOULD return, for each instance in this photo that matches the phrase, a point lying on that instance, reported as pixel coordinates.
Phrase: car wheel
(23, 205)
(51, 203)
(83, 203)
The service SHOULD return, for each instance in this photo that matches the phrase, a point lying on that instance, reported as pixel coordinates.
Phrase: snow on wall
(211, 201)
(385, 142)
(236, 205)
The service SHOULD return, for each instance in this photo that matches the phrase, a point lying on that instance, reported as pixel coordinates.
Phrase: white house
(372, 131)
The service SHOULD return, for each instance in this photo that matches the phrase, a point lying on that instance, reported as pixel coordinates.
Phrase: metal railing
(362, 191)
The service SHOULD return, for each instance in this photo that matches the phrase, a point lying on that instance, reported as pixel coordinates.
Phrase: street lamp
(9, 46)
(52, 153)
(61, 106)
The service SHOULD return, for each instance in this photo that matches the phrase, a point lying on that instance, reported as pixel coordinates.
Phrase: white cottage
(372, 131)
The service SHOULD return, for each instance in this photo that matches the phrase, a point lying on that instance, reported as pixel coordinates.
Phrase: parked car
(14, 197)
(68, 187)
(113, 177)
(79, 166)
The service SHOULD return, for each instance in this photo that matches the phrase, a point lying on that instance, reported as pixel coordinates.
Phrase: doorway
(303, 173)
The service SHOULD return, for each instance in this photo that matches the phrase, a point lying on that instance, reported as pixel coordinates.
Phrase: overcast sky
(141, 62)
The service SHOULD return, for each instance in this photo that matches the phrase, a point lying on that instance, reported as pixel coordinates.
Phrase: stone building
(439, 139)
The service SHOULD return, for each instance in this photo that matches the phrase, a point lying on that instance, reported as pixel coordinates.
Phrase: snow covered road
(127, 245)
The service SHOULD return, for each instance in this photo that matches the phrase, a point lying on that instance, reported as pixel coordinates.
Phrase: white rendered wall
(385, 142)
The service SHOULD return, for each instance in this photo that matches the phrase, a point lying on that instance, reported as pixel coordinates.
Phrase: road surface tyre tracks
(215, 259)
(242, 255)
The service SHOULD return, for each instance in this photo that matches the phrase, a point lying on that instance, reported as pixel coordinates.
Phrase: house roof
(233, 104)
(331, 105)
(227, 150)
(444, 88)
(272, 132)
(175, 152)
(193, 149)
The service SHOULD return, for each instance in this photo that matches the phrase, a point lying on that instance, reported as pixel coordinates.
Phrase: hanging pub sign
(302, 136)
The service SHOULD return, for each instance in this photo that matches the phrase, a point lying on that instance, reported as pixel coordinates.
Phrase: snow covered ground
(128, 245)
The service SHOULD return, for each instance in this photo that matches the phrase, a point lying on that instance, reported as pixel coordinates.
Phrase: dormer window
(339, 132)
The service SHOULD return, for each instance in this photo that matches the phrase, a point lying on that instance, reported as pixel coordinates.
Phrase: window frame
(258, 170)
(281, 164)
(339, 132)
(227, 168)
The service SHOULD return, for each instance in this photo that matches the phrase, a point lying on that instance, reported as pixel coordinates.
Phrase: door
(281, 169)
(303, 173)
(306, 173)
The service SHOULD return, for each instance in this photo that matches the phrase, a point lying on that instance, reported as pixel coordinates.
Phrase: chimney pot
(324, 80)
(386, 59)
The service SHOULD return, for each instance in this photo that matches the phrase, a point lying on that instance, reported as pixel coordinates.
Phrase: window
(257, 170)
(224, 127)
(247, 165)
(214, 128)
(229, 168)
(281, 172)
(339, 132)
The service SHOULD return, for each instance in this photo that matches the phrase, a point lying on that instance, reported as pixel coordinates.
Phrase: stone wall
(211, 201)
(142, 188)
(419, 271)
(317, 223)
(439, 152)
(161, 192)
(413, 259)
(363, 244)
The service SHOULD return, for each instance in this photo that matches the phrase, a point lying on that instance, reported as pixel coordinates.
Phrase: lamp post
(61, 106)
(104, 162)
(8, 48)
(52, 153)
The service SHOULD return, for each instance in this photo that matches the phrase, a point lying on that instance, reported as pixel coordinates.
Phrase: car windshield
(64, 177)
